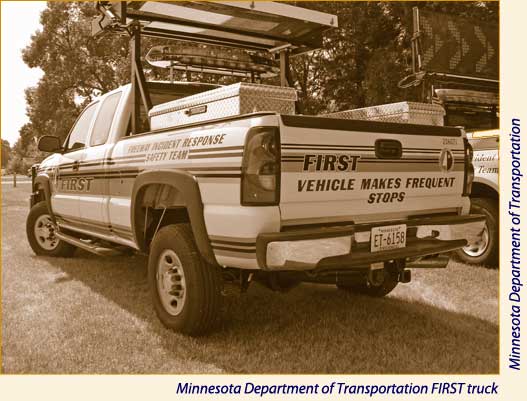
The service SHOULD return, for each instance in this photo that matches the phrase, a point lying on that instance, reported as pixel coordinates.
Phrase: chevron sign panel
(450, 44)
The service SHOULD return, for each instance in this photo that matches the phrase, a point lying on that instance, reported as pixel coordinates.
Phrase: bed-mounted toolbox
(231, 100)
(401, 112)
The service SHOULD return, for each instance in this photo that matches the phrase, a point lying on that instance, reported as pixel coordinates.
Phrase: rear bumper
(348, 247)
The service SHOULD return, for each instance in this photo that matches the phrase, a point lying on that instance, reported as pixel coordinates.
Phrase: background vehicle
(462, 76)
(476, 108)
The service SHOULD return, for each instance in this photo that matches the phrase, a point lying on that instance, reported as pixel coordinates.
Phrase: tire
(186, 291)
(40, 234)
(486, 251)
(378, 290)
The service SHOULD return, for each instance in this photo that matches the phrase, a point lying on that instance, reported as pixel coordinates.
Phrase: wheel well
(39, 193)
(42, 192)
(480, 190)
(169, 190)
(158, 205)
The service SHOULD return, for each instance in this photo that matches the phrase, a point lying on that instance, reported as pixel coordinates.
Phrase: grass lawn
(93, 315)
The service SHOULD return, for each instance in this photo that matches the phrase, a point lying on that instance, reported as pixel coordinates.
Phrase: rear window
(103, 123)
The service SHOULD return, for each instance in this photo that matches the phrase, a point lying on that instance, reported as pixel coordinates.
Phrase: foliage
(15, 165)
(24, 154)
(6, 153)
(76, 67)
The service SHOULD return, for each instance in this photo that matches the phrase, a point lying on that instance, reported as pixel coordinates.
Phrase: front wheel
(40, 232)
(186, 291)
(485, 250)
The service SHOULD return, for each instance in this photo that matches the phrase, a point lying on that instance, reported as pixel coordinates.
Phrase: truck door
(65, 194)
(95, 169)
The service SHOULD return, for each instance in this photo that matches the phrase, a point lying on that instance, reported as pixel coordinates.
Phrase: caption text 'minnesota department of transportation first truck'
(223, 185)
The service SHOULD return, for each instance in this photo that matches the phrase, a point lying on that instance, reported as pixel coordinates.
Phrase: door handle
(76, 165)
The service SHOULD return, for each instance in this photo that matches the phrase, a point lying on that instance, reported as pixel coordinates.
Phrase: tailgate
(335, 170)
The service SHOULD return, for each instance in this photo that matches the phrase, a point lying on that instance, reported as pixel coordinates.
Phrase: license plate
(388, 237)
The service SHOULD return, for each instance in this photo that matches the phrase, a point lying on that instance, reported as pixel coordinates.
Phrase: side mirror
(49, 143)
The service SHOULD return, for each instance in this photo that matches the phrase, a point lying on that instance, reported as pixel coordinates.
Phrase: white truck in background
(478, 112)
(485, 198)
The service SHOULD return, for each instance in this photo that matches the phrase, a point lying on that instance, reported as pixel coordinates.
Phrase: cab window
(79, 132)
(103, 123)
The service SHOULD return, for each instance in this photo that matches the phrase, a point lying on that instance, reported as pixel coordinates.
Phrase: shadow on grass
(312, 329)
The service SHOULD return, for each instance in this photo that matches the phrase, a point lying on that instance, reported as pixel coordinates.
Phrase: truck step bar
(87, 246)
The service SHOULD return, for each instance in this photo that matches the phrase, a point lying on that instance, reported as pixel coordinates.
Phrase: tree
(15, 165)
(6, 153)
(24, 155)
(76, 66)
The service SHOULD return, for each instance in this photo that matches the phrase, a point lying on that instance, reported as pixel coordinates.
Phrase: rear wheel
(186, 291)
(485, 250)
(40, 232)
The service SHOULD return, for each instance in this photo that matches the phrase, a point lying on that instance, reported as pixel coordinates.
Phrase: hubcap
(45, 233)
(479, 247)
(171, 284)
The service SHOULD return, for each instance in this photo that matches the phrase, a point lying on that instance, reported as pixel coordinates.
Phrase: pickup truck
(278, 198)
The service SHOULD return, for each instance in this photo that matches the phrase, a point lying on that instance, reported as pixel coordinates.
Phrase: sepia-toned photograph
(248, 187)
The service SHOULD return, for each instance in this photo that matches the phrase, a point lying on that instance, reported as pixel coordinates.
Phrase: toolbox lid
(257, 25)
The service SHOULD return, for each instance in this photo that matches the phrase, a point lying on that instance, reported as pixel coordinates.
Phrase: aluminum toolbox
(232, 100)
(401, 112)
(467, 96)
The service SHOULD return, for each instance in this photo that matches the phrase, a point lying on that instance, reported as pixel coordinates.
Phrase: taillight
(469, 168)
(261, 167)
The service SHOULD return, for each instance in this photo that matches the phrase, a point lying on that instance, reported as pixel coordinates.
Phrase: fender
(485, 182)
(42, 182)
(190, 197)
(483, 190)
